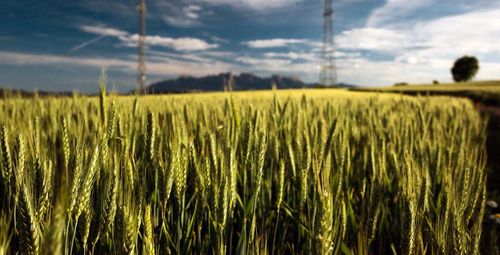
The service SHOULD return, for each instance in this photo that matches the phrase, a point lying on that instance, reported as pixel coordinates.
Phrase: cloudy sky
(62, 45)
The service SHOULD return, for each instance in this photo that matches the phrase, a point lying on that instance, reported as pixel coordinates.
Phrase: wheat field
(282, 172)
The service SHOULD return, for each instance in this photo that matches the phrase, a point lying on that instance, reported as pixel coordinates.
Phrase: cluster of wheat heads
(221, 174)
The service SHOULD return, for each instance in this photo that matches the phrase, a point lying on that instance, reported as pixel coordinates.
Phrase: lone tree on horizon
(465, 68)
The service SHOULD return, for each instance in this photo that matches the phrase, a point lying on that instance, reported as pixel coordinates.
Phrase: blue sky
(62, 45)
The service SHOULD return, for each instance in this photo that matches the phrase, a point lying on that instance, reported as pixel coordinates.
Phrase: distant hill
(186, 84)
(25, 93)
(338, 85)
(244, 81)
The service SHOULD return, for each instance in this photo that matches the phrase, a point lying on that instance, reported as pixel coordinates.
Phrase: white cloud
(254, 4)
(274, 43)
(191, 13)
(15, 58)
(219, 54)
(206, 57)
(179, 15)
(474, 33)
(261, 62)
(470, 33)
(305, 64)
(379, 39)
(178, 44)
(165, 66)
(342, 54)
(278, 66)
(309, 56)
(367, 72)
(423, 51)
(394, 10)
(105, 31)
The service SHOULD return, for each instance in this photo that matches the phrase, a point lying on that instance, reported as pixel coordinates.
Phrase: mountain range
(229, 81)
(218, 82)
(225, 81)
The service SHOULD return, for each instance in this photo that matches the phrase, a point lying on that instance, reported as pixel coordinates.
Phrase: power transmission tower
(141, 68)
(328, 76)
